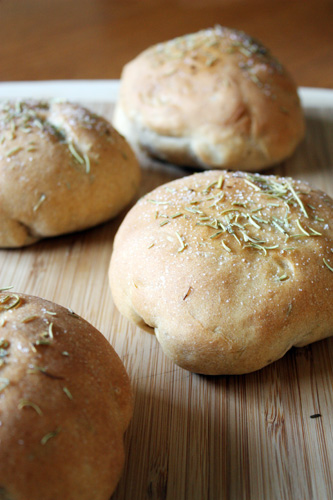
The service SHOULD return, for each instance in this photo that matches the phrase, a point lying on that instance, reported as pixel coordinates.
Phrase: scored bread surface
(230, 269)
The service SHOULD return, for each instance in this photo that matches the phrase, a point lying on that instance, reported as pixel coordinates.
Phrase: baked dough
(230, 269)
(65, 402)
(62, 169)
(212, 99)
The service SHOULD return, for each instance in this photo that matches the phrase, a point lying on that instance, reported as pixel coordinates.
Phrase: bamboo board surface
(193, 437)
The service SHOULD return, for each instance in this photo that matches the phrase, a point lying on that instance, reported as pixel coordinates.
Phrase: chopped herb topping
(14, 301)
(24, 403)
(38, 369)
(51, 313)
(182, 244)
(327, 265)
(14, 151)
(29, 318)
(262, 218)
(39, 202)
(67, 392)
(49, 436)
(72, 312)
(4, 382)
(188, 292)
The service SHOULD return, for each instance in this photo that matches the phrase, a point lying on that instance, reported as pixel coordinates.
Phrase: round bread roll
(65, 402)
(230, 269)
(213, 99)
(62, 169)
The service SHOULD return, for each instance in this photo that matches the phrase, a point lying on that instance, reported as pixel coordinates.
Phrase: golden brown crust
(62, 169)
(214, 99)
(65, 403)
(230, 269)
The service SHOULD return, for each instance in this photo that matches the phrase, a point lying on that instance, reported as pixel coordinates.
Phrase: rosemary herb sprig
(254, 221)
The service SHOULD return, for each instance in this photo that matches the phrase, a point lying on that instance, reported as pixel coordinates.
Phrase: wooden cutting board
(262, 436)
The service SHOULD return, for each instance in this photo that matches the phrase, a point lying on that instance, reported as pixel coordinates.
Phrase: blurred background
(93, 39)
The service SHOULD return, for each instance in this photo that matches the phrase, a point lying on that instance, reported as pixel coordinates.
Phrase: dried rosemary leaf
(314, 232)
(13, 151)
(72, 312)
(220, 182)
(87, 162)
(297, 198)
(188, 292)
(302, 228)
(250, 183)
(157, 202)
(12, 305)
(75, 154)
(4, 382)
(216, 235)
(38, 369)
(182, 244)
(225, 246)
(67, 392)
(257, 247)
(48, 436)
(26, 403)
(327, 265)
(284, 277)
(42, 342)
(29, 318)
(39, 202)
(164, 222)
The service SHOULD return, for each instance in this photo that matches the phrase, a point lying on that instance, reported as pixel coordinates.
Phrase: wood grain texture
(195, 437)
(67, 39)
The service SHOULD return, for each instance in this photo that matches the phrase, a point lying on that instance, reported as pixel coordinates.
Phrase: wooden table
(65, 39)
(192, 437)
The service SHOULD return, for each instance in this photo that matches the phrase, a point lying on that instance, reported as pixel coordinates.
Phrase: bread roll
(212, 99)
(230, 269)
(62, 169)
(65, 402)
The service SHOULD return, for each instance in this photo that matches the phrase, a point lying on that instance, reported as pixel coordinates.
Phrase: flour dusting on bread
(230, 269)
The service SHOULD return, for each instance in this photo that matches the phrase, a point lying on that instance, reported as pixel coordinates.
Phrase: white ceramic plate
(107, 90)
